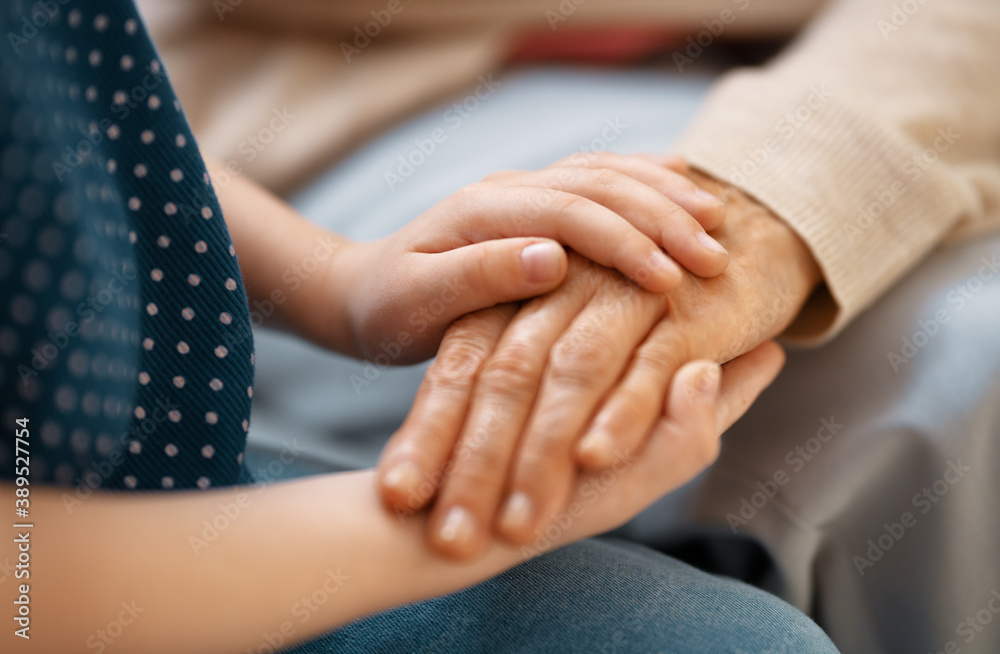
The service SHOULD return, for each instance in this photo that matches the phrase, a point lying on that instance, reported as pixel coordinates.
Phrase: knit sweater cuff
(868, 201)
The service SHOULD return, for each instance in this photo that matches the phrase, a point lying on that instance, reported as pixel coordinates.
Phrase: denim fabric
(599, 596)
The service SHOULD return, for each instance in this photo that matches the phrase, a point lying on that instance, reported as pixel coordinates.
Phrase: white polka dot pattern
(124, 332)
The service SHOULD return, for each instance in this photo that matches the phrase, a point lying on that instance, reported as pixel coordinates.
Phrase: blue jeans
(597, 596)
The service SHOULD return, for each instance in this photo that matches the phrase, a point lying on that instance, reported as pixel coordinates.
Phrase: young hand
(500, 240)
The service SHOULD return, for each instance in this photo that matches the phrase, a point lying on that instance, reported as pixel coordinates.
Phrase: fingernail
(660, 261)
(516, 513)
(459, 526)
(705, 196)
(708, 380)
(597, 446)
(710, 243)
(402, 476)
(541, 262)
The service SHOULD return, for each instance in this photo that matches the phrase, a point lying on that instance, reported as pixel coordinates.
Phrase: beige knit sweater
(876, 135)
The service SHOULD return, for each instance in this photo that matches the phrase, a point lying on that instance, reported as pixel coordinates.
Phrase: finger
(643, 206)
(453, 283)
(461, 521)
(585, 362)
(746, 377)
(674, 162)
(495, 211)
(682, 444)
(701, 405)
(411, 464)
(634, 406)
(685, 440)
(663, 173)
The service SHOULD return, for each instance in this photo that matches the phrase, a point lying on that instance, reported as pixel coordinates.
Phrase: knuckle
(457, 365)
(607, 179)
(477, 274)
(563, 202)
(469, 196)
(663, 354)
(511, 368)
(478, 464)
(581, 360)
(676, 223)
(631, 406)
(535, 465)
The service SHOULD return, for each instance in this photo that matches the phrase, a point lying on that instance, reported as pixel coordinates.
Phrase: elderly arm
(874, 136)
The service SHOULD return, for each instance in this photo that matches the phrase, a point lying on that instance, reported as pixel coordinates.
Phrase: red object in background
(625, 45)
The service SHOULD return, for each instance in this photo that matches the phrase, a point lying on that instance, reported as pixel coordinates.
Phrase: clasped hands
(585, 379)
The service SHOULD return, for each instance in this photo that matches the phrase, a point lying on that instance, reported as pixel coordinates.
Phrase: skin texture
(400, 293)
(378, 559)
(507, 416)
(248, 586)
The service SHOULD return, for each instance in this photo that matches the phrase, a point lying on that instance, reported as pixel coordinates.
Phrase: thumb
(492, 272)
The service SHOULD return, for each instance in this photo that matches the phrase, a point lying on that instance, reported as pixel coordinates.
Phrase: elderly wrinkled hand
(520, 400)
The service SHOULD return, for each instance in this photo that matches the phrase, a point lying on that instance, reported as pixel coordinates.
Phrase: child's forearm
(223, 571)
(286, 262)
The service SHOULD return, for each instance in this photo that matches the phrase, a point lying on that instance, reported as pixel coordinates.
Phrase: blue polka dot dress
(124, 333)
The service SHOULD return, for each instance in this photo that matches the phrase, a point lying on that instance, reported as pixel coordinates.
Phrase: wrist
(329, 316)
(776, 243)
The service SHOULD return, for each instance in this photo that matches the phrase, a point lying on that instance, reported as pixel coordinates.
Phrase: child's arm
(241, 569)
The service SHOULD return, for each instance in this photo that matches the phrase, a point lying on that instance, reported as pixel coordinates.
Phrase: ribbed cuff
(868, 201)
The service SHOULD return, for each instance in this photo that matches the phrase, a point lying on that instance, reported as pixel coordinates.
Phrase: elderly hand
(511, 408)
(499, 240)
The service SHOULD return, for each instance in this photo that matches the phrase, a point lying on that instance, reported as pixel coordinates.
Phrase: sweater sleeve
(876, 135)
